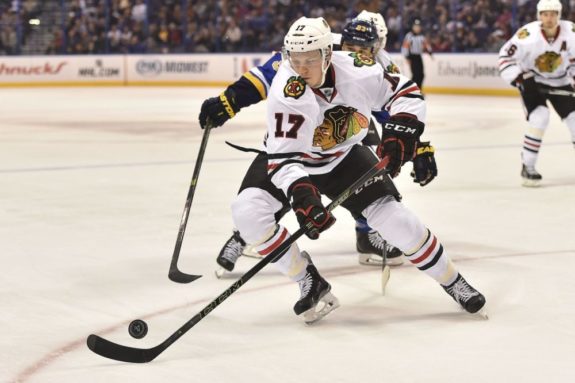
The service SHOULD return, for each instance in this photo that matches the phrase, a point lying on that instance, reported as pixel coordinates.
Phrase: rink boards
(445, 73)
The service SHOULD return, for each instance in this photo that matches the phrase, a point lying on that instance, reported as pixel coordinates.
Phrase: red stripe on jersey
(408, 90)
(427, 252)
(274, 245)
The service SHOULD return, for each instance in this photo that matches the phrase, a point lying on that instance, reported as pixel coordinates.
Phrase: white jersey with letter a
(551, 61)
(310, 131)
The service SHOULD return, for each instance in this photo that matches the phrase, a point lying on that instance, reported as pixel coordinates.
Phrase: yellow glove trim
(227, 105)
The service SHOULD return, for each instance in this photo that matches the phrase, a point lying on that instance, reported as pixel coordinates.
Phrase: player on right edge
(539, 60)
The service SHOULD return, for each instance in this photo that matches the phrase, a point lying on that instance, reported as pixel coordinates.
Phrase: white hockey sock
(538, 122)
(430, 258)
(292, 263)
(404, 230)
(570, 122)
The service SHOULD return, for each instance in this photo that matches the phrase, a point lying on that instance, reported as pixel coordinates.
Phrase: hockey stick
(385, 269)
(122, 353)
(175, 274)
(558, 92)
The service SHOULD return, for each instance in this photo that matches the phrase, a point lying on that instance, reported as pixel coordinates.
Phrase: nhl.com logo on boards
(155, 67)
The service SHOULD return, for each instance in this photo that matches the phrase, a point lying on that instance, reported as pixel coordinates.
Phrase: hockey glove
(306, 202)
(399, 137)
(216, 111)
(525, 82)
(424, 166)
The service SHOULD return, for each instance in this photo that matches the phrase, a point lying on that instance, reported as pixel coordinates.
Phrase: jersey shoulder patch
(360, 60)
(295, 87)
(573, 27)
(523, 33)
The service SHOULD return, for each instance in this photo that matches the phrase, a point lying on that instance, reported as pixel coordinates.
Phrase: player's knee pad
(253, 214)
(539, 118)
(397, 224)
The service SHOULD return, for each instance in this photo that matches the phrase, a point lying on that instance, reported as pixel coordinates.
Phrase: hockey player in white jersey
(540, 60)
(318, 113)
(253, 87)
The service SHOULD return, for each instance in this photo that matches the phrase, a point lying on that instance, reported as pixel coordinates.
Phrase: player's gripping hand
(306, 202)
(399, 137)
(216, 111)
(424, 166)
(525, 82)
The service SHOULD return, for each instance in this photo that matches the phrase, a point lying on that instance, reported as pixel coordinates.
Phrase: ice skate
(316, 300)
(370, 248)
(531, 178)
(470, 299)
(230, 253)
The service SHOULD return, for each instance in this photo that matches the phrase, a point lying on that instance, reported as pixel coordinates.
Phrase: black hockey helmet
(359, 32)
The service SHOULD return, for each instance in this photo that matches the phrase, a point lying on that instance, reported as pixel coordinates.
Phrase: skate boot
(370, 248)
(316, 300)
(531, 178)
(470, 299)
(230, 253)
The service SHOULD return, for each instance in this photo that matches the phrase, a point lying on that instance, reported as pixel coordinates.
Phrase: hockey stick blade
(115, 351)
(177, 276)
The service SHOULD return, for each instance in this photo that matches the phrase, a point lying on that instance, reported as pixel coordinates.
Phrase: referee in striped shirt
(414, 45)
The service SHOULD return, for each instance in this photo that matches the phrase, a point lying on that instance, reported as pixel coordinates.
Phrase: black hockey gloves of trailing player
(216, 111)
(399, 139)
(306, 202)
(525, 82)
(424, 166)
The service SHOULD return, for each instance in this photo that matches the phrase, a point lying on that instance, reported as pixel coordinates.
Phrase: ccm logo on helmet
(399, 128)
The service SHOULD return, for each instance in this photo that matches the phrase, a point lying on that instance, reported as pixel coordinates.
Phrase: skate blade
(531, 183)
(220, 272)
(326, 305)
(368, 260)
(396, 261)
(482, 314)
(385, 274)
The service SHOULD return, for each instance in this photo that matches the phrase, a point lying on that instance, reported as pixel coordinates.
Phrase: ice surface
(92, 187)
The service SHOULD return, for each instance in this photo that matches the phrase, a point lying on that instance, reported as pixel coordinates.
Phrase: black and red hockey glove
(399, 138)
(525, 82)
(306, 202)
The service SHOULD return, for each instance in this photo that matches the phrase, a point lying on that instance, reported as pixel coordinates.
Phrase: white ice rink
(92, 187)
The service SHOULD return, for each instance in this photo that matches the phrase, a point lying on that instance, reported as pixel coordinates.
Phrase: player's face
(549, 19)
(368, 51)
(308, 65)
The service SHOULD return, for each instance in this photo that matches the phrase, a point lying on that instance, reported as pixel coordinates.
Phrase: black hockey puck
(138, 329)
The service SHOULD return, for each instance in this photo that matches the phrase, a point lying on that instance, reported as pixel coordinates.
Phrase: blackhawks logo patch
(339, 124)
(573, 27)
(295, 87)
(392, 68)
(548, 62)
(522, 34)
(360, 60)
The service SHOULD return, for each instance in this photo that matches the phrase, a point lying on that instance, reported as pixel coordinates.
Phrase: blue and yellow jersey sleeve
(254, 85)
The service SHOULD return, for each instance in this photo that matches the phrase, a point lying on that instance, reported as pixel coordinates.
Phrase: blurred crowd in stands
(177, 26)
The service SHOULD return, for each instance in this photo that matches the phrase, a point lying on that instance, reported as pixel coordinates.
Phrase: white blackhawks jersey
(310, 131)
(552, 62)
